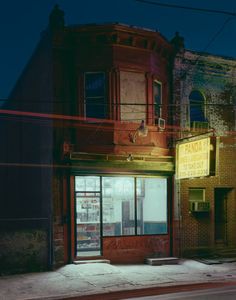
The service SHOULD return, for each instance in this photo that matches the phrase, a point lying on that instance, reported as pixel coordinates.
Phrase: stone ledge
(162, 261)
(90, 261)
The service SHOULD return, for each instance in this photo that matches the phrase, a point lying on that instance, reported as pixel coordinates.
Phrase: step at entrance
(162, 261)
(90, 261)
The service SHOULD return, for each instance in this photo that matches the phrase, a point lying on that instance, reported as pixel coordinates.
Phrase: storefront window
(118, 206)
(125, 205)
(87, 183)
(151, 206)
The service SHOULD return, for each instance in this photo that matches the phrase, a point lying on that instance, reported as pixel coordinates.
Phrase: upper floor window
(95, 95)
(133, 96)
(197, 107)
(157, 100)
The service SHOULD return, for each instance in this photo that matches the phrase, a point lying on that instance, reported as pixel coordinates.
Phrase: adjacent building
(204, 95)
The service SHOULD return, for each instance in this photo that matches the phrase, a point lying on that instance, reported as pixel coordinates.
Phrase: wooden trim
(65, 217)
(72, 216)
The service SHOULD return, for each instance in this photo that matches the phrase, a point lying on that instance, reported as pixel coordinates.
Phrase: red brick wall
(198, 231)
(135, 249)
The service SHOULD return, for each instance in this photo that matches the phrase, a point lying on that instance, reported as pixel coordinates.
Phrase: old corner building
(88, 163)
(204, 94)
(91, 171)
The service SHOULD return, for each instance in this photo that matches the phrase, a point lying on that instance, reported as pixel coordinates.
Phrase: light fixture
(130, 157)
(142, 131)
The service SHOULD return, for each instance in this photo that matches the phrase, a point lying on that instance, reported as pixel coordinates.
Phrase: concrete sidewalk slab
(99, 278)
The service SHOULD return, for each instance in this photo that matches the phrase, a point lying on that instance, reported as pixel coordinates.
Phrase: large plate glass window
(117, 206)
(151, 206)
(134, 206)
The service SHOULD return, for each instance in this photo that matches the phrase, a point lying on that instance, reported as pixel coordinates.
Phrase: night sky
(22, 21)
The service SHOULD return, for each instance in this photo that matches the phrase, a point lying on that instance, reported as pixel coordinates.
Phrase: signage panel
(193, 159)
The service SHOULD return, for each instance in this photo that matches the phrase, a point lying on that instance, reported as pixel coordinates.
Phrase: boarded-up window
(133, 96)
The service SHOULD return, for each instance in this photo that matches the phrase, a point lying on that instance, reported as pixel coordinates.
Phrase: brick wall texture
(215, 78)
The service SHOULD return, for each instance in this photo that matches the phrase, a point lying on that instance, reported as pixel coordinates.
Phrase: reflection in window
(129, 206)
(151, 206)
(87, 183)
(95, 98)
(118, 200)
(118, 206)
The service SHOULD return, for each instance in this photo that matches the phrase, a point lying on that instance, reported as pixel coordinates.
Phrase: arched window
(197, 107)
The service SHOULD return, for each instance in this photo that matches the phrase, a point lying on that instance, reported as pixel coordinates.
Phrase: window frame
(104, 96)
(201, 104)
(157, 116)
(135, 205)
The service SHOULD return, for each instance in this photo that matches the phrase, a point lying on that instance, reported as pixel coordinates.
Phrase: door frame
(221, 205)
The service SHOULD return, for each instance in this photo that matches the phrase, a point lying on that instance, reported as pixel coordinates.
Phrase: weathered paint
(23, 251)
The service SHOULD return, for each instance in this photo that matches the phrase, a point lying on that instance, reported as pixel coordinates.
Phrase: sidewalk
(99, 278)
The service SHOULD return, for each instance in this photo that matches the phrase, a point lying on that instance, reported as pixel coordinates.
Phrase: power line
(188, 7)
(217, 33)
(2, 110)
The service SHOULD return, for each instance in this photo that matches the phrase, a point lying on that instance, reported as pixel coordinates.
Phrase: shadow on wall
(23, 251)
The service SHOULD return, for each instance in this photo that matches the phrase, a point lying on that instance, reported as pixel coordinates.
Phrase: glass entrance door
(88, 225)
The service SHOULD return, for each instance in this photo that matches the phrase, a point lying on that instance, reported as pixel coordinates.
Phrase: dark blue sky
(21, 22)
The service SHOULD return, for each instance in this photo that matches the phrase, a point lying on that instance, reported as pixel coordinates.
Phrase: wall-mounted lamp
(130, 157)
(142, 131)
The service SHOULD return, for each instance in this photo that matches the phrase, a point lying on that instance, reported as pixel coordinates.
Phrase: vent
(199, 206)
(161, 123)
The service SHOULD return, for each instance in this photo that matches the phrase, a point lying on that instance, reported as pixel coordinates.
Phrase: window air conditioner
(200, 126)
(199, 206)
(161, 123)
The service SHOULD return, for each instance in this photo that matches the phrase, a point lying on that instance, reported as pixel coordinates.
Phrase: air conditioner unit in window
(200, 126)
(199, 206)
(161, 123)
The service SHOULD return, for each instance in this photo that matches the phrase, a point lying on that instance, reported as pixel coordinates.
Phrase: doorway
(221, 215)
(88, 217)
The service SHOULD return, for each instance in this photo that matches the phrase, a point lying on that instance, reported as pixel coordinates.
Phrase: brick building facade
(88, 161)
(204, 94)
(91, 166)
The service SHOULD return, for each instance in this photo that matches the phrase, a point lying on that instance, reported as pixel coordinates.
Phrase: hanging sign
(193, 159)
